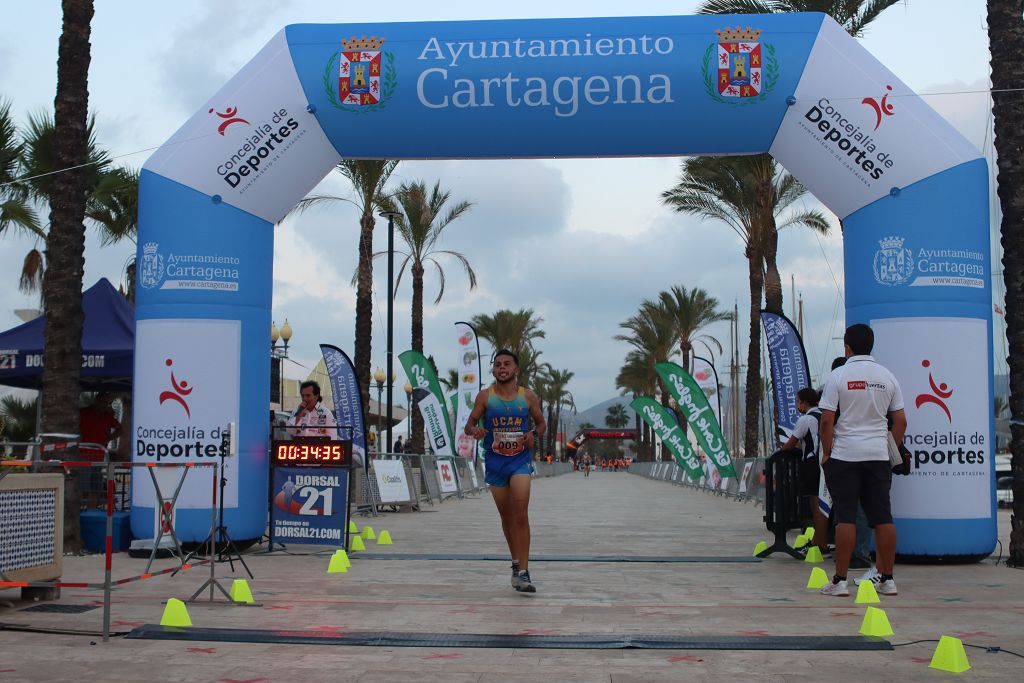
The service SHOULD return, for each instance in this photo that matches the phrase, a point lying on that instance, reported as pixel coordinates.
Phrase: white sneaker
(885, 587)
(837, 590)
(869, 575)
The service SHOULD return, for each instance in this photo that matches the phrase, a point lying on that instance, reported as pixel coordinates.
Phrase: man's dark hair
(506, 352)
(808, 396)
(310, 384)
(838, 362)
(860, 339)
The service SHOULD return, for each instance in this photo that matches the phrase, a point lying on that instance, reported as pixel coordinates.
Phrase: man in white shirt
(312, 418)
(855, 455)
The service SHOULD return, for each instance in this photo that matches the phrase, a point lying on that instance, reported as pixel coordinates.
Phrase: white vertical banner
(707, 380)
(468, 365)
(186, 393)
(947, 412)
(446, 475)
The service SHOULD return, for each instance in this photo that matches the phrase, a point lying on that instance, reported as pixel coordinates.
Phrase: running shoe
(837, 590)
(869, 575)
(884, 587)
(515, 575)
(526, 586)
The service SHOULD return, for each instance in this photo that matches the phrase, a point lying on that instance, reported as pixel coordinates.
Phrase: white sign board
(391, 481)
(947, 415)
(186, 393)
(446, 475)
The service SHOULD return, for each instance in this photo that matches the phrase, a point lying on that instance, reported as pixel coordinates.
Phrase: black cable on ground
(986, 648)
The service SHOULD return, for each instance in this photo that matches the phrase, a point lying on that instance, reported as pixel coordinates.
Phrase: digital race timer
(311, 451)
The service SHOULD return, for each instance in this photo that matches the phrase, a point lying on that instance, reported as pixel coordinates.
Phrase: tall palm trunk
(753, 401)
(772, 279)
(65, 245)
(364, 310)
(1006, 42)
(417, 345)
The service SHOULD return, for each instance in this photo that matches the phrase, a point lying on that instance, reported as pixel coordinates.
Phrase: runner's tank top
(507, 423)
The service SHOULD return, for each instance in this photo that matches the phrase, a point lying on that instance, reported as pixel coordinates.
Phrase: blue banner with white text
(790, 373)
(348, 403)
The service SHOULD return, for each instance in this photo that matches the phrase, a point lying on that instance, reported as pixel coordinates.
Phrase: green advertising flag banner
(667, 429)
(435, 412)
(694, 406)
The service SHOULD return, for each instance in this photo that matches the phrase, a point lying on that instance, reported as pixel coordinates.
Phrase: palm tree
(617, 417)
(421, 225)
(15, 203)
(18, 417)
(65, 245)
(691, 311)
(556, 395)
(652, 336)
(852, 15)
(512, 330)
(368, 178)
(111, 192)
(1006, 41)
(752, 197)
(635, 379)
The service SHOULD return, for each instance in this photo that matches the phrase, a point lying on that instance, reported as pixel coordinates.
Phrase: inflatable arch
(912, 194)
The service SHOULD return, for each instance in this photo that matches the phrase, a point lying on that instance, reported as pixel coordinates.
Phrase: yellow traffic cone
(339, 563)
(866, 594)
(809, 533)
(175, 614)
(814, 555)
(760, 548)
(368, 533)
(356, 544)
(240, 592)
(352, 528)
(384, 538)
(950, 656)
(818, 579)
(344, 556)
(800, 542)
(875, 623)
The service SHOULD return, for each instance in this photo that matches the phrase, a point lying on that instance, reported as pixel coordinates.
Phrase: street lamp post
(277, 356)
(391, 216)
(408, 414)
(378, 378)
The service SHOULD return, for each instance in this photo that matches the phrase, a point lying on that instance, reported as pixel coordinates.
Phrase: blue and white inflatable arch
(911, 191)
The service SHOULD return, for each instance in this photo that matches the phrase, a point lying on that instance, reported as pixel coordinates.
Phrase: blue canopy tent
(108, 341)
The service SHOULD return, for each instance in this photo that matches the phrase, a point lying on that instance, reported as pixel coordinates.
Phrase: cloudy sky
(582, 242)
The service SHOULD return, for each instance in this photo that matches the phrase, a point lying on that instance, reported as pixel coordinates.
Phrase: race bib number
(508, 443)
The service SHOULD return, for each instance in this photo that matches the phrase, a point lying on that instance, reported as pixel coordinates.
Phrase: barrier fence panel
(748, 487)
(110, 470)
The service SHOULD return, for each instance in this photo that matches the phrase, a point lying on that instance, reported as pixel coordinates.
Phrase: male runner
(505, 408)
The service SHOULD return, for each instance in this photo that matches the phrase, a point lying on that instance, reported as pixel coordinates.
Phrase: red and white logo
(446, 472)
(229, 116)
(178, 392)
(857, 385)
(940, 393)
(882, 108)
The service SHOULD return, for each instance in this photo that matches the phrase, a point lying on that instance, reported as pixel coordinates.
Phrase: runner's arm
(473, 429)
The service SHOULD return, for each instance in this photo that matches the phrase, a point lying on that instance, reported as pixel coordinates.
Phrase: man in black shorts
(855, 456)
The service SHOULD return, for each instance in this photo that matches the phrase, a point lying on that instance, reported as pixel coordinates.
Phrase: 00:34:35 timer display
(319, 452)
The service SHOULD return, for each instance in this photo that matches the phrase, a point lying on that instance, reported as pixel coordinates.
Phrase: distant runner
(505, 408)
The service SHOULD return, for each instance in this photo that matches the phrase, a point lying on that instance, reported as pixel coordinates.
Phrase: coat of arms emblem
(745, 70)
(893, 264)
(365, 76)
(152, 271)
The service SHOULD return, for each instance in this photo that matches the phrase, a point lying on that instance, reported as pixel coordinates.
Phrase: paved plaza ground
(605, 514)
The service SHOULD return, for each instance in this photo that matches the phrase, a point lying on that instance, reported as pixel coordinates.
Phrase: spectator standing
(855, 455)
(399, 447)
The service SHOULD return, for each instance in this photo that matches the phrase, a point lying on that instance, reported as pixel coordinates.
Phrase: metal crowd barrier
(426, 486)
(109, 583)
(748, 487)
